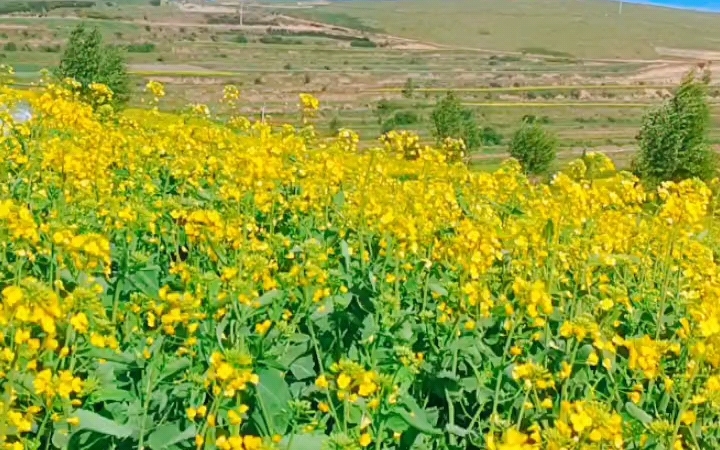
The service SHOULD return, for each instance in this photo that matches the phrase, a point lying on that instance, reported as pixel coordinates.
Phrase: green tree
(451, 119)
(88, 61)
(534, 147)
(673, 138)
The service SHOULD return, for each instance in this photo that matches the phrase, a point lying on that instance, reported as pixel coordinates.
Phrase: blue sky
(704, 5)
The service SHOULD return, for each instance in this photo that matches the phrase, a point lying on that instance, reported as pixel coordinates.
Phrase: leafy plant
(145, 47)
(534, 147)
(673, 139)
(452, 120)
(88, 61)
(408, 88)
(399, 120)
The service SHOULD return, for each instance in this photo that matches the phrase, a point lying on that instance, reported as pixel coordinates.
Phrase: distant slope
(582, 28)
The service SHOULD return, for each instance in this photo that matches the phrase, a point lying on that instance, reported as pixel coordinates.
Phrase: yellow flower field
(173, 282)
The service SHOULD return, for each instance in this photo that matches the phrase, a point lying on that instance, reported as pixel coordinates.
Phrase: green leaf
(345, 250)
(303, 368)
(637, 413)
(273, 396)
(95, 422)
(146, 280)
(168, 435)
(268, 297)
(437, 288)
(417, 418)
(419, 422)
(285, 357)
(396, 423)
(174, 367)
(110, 394)
(457, 431)
(61, 436)
(303, 442)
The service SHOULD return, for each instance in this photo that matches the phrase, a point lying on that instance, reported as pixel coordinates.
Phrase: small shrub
(674, 137)
(240, 39)
(50, 48)
(534, 147)
(409, 88)
(400, 119)
(146, 47)
(86, 60)
(10, 47)
(155, 2)
(363, 43)
(287, 66)
(272, 39)
(307, 78)
(452, 120)
(490, 136)
(335, 125)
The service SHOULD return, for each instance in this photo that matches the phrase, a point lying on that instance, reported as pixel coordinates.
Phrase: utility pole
(620, 10)
(242, 7)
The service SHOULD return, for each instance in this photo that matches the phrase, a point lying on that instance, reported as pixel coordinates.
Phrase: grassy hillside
(582, 28)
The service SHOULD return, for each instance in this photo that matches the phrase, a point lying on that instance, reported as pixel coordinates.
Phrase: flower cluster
(175, 281)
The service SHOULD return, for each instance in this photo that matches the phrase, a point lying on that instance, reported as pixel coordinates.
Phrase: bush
(363, 43)
(50, 48)
(408, 88)
(88, 61)
(240, 39)
(146, 47)
(10, 47)
(490, 136)
(534, 147)
(400, 119)
(335, 125)
(673, 138)
(452, 120)
(279, 40)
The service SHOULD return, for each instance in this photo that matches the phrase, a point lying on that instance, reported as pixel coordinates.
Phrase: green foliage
(490, 136)
(534, 147)
(400, 119)
(88, 61)
(451, 119)
(145, 47)
(335, 125)
(363, 43)
(273, 39)
(673, 138)
(240, 39)
(10, 47)
(409, 88)
(40, 7)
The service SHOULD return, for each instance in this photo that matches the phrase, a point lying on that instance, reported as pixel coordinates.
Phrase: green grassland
(578, 28)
